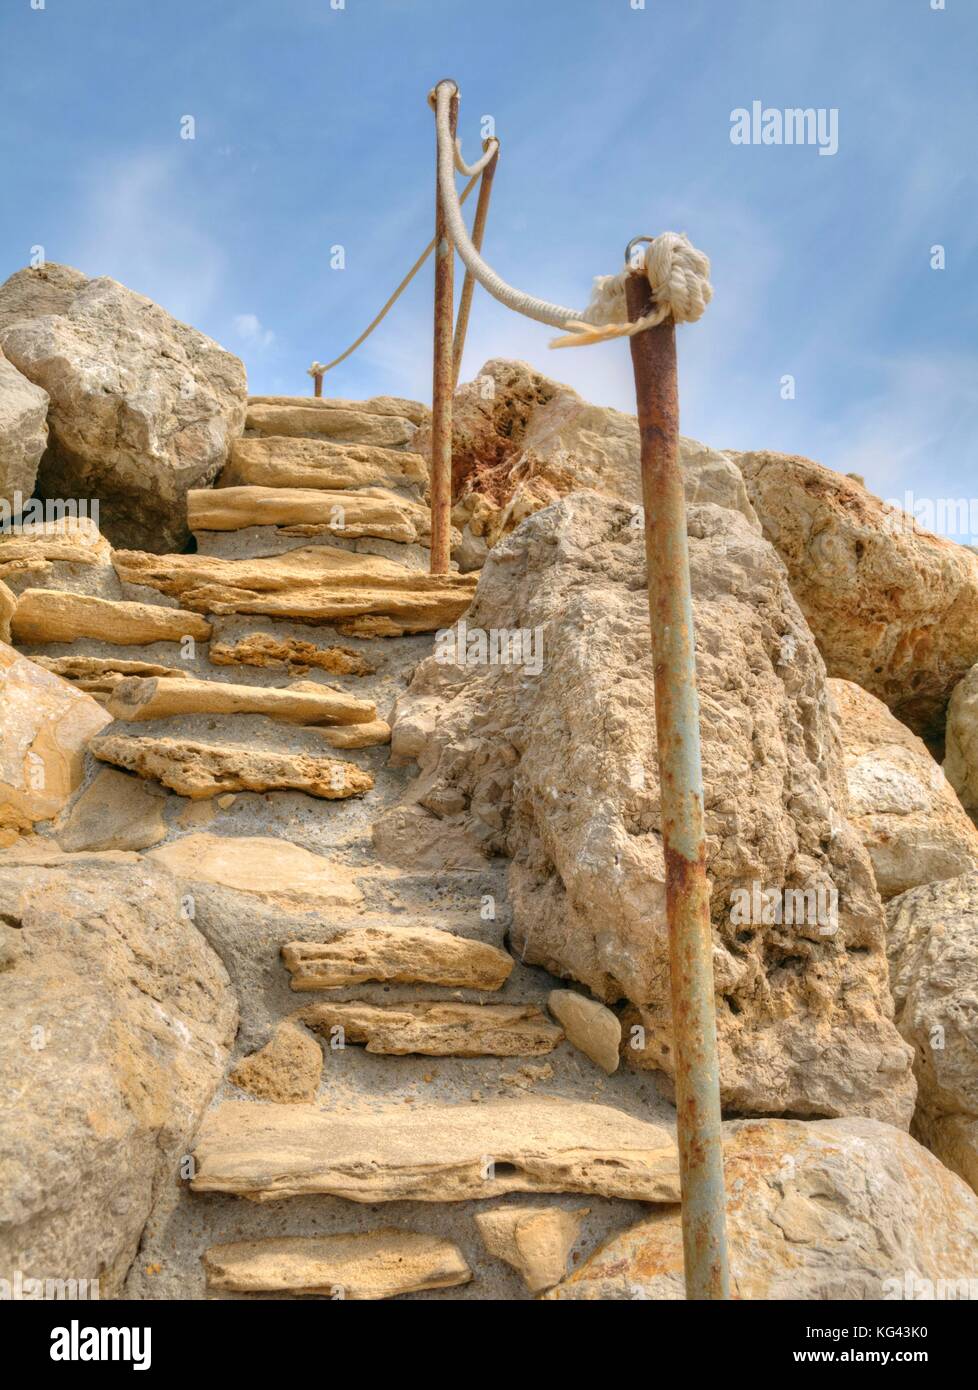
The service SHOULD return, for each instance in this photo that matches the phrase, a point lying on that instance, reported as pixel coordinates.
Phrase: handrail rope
(319, 368)
(678, 273)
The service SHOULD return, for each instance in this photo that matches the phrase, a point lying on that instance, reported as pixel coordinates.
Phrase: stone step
(347, 425)
(199, 770)
(264, 650)
(417, 955)
(414, 411)
(310, 511)
(438, 1029)
(361, 595)
(373, 734)
(438, 1153)
(261, 865)
(283, 461)
(99, 675)
(53, 615)
(139, 698)
(369, 1265)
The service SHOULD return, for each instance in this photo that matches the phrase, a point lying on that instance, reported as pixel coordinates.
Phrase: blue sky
(312, 130)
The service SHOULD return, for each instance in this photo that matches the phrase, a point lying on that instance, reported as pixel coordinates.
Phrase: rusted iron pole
(442, 378)
(681, 791)
(468, 284)
(317, 371)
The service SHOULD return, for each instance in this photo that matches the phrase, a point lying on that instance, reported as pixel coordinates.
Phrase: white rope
(679, 275)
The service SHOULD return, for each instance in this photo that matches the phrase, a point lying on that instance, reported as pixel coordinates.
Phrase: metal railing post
(442, 378)
(468, 284)
(317, 371)
(681, 790)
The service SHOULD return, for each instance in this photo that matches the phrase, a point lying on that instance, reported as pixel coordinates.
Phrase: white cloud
(248, 328)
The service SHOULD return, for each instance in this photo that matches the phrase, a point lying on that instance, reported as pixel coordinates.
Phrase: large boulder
(961, 740)
(45, 728)
(901, 804)
(933, 947)
(892, 607)
(117, 1023)
(23, 436)
(550, 758)
(832, 1209)
(521, 441)
(143, 408)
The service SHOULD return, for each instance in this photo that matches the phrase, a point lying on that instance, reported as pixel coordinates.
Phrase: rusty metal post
(681, 782)
(317, 388)
(468, 284)
(442, 378)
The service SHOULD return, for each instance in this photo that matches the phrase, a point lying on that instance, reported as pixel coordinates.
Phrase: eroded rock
(536, 1241)
(286, 1070)
(371, 511)
(961, 748)
(900, 802)
(352, 425)
(115, 812)
(139, 698)
(263, 649)
(403, 955)
(23, 435)
(49, 615)
(262, 865)
(438, 1029)
(320, 463)
(443, 1153)
(589, 1025)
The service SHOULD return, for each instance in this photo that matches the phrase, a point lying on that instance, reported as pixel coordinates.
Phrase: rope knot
(679, 276)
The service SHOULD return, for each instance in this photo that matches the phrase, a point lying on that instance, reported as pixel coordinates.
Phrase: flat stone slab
(398, 955)
(376, 1264)
(438, 1029)
(199, 770)
(415, 411)
(444, 1153)
(53, 615)
(362, 595)
(137, 699)
(349, 515)
(352, 426)
(262, 865)
(319, 463)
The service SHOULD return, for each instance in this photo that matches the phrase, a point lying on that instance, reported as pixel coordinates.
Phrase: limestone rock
(287, 1069)
(370, 1265)
(47, 615)
(139, 698)
(353, 425)
(549, 757)
(521, 441)
(362, 595)
(933, 947)
(415, 411)
(590, 1026)
(142, 407)
(8, 603)
(115, 812)
(534, 1240)
(903, 807)
(45, 727)
(261, 865)
(99, 675)
(843, 1209)
(319, 463)
(23, 435)
(372, 511)
(961, 748)
(892, 607)
(70, 554)
(199, 770)
(402, 955)
(371, 734)
(438, 1153)
(117, 1021)
(31, 293)
(438, 1029)
(265, 650)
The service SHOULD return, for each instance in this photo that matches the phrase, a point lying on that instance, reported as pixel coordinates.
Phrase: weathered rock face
(45, 727)
(892, 607)
(835, 1209)
(115, 812)
(534, 1240)
(23, 435)
(901, 804)
(142, 409)
(269, 868)
(961, 745)
(286, 1070)
(117, 1020)
(69, 553)
(552, 761)
(520, 441)
(933, 948)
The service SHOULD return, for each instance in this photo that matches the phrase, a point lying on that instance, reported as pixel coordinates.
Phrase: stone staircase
(417, 1067)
